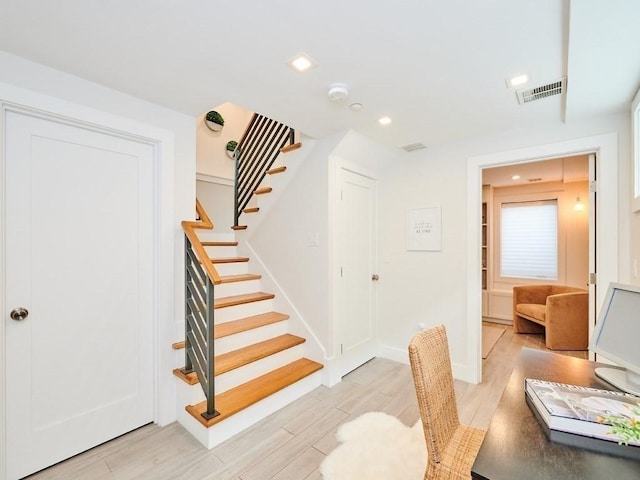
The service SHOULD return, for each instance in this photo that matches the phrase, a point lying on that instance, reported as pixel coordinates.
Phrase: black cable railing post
(188, 365)
(211, 390)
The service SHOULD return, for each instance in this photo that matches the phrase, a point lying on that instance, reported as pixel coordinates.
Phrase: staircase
(259, 367)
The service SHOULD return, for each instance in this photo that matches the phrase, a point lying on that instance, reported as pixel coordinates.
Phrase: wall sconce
(579, 206)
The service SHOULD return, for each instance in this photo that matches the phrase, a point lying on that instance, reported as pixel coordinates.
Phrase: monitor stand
(625, 380)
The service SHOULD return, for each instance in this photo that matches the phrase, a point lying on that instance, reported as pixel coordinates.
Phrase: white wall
(431, 287)
(211, 159)
(217, 200)
(34, 85)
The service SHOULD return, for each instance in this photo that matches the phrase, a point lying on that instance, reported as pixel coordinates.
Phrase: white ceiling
(437, 68)
(566, 169)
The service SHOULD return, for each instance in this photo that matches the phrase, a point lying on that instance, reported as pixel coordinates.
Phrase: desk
(516, 446)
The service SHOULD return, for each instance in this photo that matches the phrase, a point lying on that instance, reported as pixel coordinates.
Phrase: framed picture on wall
(424, 229)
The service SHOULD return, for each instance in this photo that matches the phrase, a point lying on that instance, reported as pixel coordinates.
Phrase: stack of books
(579, 410)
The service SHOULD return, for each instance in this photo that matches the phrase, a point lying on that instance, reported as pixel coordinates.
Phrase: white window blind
(529, 239)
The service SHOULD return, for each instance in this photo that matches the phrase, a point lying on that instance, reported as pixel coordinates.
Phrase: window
(529, 240)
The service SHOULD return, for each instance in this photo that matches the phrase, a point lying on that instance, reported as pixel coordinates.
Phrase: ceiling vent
(538, 93)
(412, 147)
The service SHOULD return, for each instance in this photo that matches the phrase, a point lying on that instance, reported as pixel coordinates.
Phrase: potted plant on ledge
(214, 121)
(231, 148)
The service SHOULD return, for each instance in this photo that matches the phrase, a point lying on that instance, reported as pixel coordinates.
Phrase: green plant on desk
(625, 428)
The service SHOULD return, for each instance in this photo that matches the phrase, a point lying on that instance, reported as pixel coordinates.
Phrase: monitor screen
(616, 336)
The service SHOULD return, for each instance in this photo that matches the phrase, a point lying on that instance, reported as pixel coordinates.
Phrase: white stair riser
(219, 433)
(235, 268)
(236, 288)
(235, 312)
(211, 236)
(255, 335)
(246, 373)
(221, 252)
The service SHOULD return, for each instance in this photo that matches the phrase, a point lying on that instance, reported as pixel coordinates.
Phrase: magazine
(579, 410)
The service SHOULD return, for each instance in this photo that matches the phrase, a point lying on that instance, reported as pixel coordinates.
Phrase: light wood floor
(290, 444)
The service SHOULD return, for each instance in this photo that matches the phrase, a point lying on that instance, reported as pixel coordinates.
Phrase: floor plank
(291, 443)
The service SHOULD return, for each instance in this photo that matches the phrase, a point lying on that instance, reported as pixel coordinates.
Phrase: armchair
(559, 311)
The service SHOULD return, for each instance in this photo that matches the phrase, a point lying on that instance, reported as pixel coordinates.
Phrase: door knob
(375, 277)
(19, 313)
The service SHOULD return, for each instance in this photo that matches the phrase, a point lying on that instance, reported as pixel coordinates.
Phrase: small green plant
(215, 117)
(625, 427)
(232, 145)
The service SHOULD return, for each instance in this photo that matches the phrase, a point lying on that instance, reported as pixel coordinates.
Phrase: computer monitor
(617, 337)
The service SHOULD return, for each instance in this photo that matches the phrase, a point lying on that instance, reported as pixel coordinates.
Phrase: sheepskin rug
(377, 446)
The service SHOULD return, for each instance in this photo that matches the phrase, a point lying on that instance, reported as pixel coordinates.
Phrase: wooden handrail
(189, 230)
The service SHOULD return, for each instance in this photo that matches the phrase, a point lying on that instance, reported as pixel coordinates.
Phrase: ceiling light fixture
(356, 107)
(579, 206)
(302, 62)
(384, 120)
(515, 177)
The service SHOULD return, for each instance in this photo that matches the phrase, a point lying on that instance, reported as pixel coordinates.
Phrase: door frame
(606, 148)
(27, 102)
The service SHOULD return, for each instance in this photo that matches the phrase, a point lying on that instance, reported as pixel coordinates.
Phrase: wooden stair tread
(219, 244)
(251, 353)
(248, 323)
(251, 210)
(223, 302)
(239, 278)
(241, 325)
(237, 399)
(288, 148)
(230, 260)
(275, 170)
(243, 356)
(262, 190)
(239, 227)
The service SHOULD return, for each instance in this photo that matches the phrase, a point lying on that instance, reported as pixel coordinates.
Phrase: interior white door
(79, 258)
(357, 243)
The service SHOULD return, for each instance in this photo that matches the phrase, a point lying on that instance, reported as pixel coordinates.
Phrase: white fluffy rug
(377, 446)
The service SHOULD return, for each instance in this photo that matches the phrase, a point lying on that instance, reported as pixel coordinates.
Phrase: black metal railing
(258, 149)
(199, 344)
(199, 279)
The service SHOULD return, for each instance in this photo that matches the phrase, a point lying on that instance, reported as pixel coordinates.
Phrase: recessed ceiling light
(515, 177)
(384, 120)
(517, 80)
(302, 62)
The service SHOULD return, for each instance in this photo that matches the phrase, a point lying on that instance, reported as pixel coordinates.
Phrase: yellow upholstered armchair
(561, 312)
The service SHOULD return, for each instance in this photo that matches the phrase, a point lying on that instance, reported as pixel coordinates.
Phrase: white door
(357, 288)
(79, 259)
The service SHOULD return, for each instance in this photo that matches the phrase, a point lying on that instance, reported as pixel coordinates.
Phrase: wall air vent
(537, 179)
(543, 91)
(412, 147)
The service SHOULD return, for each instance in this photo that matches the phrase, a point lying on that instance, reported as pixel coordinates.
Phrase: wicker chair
(451, 446)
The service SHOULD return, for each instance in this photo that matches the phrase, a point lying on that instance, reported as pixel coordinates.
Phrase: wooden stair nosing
(248, 323)
(244, 277)
(288, 148)
(239, 227)
(237, 399)
(219, 244)
(241, 325)
(276, 170)
(229, 260)
(243, 356)
(252, 353)
(224, 302)
(262, 190)
(251, 210)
